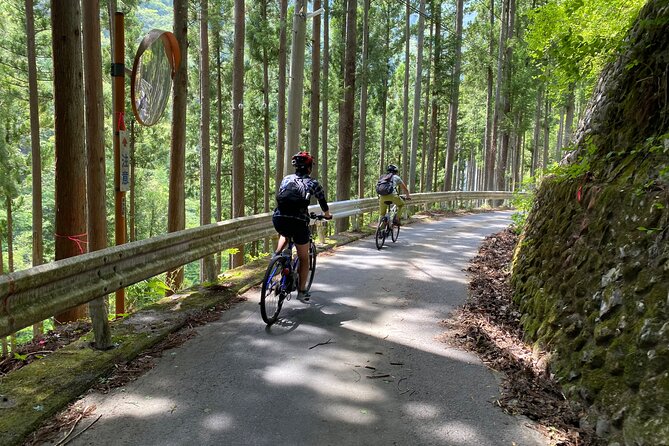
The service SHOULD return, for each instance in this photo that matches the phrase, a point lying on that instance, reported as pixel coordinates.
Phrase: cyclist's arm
(319, 193)
(405, 189)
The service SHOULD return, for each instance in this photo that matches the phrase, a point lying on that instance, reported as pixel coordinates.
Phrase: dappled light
(360, 360)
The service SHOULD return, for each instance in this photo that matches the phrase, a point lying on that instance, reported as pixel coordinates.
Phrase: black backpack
(292, 196)
(385, 185)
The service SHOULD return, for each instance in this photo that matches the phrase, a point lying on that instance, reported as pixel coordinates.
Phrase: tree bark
(37, 214)
(489, 99)
(238, 124)
(132, 212)
(426, 106)
(38, 245)
(416, 98)
(569, 118)
(70, 139)
(455, 99)
(281, 103)
(363, 100)
(219, 139)
(436, 95)
(405, 103)
(97, 209)
(265, 119)
(314, 127)
(326, 96)
(347, 114)
(506, 99)
(207, 266)
(176, 209)
(491, 159)
(537, 131)
(295, 85)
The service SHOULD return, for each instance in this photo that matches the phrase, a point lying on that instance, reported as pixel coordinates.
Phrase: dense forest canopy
(501, 94)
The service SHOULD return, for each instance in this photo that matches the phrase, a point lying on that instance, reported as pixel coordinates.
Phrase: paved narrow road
(359, 365)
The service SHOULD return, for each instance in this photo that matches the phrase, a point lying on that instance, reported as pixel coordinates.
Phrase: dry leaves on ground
(489, 324)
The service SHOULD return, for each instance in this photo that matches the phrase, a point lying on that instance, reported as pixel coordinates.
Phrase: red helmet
(302, 160)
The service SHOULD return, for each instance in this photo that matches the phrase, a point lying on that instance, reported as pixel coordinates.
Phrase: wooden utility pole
(97, 209)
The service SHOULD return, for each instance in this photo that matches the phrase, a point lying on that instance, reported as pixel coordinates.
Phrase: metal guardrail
(35, 294)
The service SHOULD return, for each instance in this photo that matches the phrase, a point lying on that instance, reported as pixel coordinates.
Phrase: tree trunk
(506, 99)
(70, 139)
(37, 215)
(426, 106)
(238, 124)
(132, 213)
(295, 85)
(363, 100)
(38, 246)
(384, 94)
(326, 96)
(436, 95)
(97, 210)
(281, 103)
(207, 266)
(347, 114)
(265, 118)
(547, 114)
(176, 209)
(489, 99)
(10, 234)
(492, 150)
(558, 143)
(416, 98)
(405, 103)
(569, 119)
(219, 139)
(455, 99)
(537, 131)
(315, 88)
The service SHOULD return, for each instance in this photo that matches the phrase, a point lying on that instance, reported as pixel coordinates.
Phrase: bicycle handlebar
(316, 216)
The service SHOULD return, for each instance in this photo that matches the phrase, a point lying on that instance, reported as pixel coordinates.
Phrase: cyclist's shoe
(303, 296)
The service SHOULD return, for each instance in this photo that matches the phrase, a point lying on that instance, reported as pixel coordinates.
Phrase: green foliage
(522, 201)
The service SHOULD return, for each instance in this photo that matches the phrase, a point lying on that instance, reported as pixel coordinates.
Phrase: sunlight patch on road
(351, 414)
(141, 406)
(217, 422)
(422, 411)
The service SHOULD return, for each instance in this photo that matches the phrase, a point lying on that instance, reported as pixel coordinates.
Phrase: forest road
(361, 364)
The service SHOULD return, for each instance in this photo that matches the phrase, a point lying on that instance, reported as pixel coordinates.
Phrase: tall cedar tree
(238, 124)
(347, 113)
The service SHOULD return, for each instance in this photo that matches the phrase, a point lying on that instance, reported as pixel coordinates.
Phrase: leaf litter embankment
(489, 325)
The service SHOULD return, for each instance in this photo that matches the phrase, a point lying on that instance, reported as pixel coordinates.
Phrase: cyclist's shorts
(293, 228)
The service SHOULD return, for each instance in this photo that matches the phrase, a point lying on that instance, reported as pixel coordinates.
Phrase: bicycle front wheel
(312, 264)
(394, 232)
(272, 292)
(381, 233)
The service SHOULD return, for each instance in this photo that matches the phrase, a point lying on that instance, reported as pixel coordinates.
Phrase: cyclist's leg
(400, 205)
(280, 227)
(303, 255)
(383, 207)
(301, 238)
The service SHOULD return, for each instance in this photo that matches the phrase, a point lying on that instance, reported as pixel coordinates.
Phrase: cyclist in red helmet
(291, 216)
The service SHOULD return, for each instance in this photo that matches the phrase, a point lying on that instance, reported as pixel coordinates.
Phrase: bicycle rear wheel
(394, 232)
(380, 236)
(312, 264)
(272, 292)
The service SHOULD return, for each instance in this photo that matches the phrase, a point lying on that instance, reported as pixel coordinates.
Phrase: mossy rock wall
(591, 271)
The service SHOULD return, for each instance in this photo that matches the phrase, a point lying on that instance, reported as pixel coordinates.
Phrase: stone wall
(591, 272)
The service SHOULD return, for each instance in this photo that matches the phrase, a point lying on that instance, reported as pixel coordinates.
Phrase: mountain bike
(388, 225)
(282, 278)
